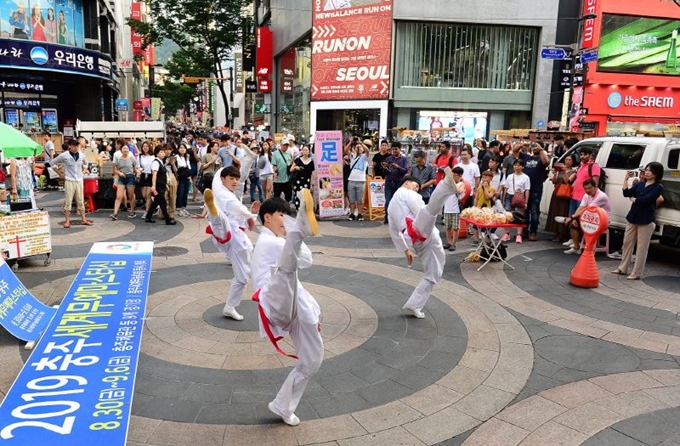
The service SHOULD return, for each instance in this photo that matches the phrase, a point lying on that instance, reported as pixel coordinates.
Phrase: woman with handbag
(264, 165)
(301, 173)
(559, 202)
(516, 189)
(127, 171)
(183, 161)
(210, 165)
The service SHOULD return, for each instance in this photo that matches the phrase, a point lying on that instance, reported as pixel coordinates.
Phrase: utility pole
(231, 97)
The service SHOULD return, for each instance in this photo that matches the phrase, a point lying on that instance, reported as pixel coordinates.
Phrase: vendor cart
(25, 234)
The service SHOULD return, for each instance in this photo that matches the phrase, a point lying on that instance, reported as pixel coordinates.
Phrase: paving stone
(496, 432)
(341, 383)
(552, 433)
(386, 417)
(340, 403)
(170, 409)
(227, 413)
(384, 392)
(611, 437)
(441, 426)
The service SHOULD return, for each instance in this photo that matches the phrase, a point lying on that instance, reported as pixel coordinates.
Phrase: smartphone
(631, 173)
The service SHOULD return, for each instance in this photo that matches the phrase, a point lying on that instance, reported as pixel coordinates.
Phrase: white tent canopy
(120, 129)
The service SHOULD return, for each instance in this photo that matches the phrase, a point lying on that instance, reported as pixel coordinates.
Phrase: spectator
(303, 166)
(145, 159)
(281, 159)
(646, 196)
(484, 198)
(171, 168)
(592, 197)
(425, 173)
(396, 166)
(127, 171)
(210, 165)
(75, 165)
(479, 150)
(587, 169)
(227, 153)
(264, 164)
(452, 210)
(254, 177)
(559, 148)
(516, 183)
(559, 207)
(444, 159)
(471, 172)
(379, 158)
(184, 169)
(494, 150)
(159, 176)
(357, 181)
(535, 165)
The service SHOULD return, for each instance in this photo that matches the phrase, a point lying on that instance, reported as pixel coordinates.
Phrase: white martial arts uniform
(275, 264)
(408, 204)
(233, 217)
(247, 161)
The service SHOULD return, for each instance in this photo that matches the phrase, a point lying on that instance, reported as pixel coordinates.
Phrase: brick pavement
(502, 357)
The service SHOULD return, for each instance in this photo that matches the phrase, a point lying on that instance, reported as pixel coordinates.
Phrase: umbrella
(15, 144)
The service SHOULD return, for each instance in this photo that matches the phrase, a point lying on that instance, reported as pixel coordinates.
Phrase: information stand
(25, 234)
(375, 191)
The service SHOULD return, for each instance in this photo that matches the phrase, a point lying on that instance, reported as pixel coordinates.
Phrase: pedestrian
(48, 148)
(592, 197)
(413, 220)
(264, 164)
(127, 171)
(254, 177)
(75, 166)
(281, 159)
(145, 160)
(225, 207)
(535, 165)
(452, 210)
(396, 165)
(184, 166)
(425, 173)
(159, 183)
(356, 181)
(517, 183)
(301, 173)
(210, 165)
(286, 307)
(559, 205)
(171, 187)
(646, 195)
(379, 158)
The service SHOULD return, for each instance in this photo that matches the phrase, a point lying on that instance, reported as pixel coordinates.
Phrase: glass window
(574, 151)
(673, 157)
(465, 56)
(625, 156)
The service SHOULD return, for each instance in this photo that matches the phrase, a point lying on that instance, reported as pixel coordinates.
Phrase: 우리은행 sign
(328, 162)
(77, 386)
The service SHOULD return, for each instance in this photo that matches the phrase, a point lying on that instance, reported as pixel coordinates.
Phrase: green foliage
(173, 95)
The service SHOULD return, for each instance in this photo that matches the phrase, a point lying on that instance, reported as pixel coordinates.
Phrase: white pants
(304, 335)
(431, 251)
(240, 263)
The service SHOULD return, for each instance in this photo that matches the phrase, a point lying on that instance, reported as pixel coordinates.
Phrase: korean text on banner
(21, 314)
(328, 160)
(376, 190)
(25, 234)
(76, 388)
(351, 47)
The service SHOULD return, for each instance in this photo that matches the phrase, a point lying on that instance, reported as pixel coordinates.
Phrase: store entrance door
(355, 122)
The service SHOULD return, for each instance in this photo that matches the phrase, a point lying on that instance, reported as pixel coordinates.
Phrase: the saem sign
(588, 39)
(351, 49)
(633, 101)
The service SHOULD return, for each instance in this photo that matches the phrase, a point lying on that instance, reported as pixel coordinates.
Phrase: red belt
(412, 232)
(267, 327)
(221, 241)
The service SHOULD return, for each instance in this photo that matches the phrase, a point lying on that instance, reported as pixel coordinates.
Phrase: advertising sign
(32, 122)
(21, 86)
(238, 72)
(633, 101)
(328, 162)
(376, 191)
(46, 56)
(639, 45)
(25, 235)
(52, 22)
(351, 48)
(264, 56)
(122, 105)
(135, 37)
(468, 125)
(12, 117)
(248, 44)
(77, 386)
(155, 109)
(49, 119)
(21, 314)
(588, 36)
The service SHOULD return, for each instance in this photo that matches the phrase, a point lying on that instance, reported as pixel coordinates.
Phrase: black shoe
(148, 220)
(360, 217)
(447, 245)
(452, 248)
(351, 217)
(172, 221)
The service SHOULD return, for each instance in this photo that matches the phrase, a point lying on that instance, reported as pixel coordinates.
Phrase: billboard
(639, 45)
(52, 22)
(468, 125)
(351, 45)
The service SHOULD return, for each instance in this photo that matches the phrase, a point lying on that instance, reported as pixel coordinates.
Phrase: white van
(618, 155)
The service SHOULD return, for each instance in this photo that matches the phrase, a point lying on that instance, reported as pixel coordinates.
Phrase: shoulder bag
(518, 200)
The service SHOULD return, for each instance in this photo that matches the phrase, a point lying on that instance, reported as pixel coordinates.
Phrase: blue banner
(77, 386)
(21, 314)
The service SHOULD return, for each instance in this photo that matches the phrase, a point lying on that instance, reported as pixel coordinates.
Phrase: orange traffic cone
(463, 231)
(594, 221)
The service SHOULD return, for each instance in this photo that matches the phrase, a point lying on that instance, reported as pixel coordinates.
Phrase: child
(409, 215)
(228, 222)
(484, 197)
(286, 308)
(452, 210)
(516, 183)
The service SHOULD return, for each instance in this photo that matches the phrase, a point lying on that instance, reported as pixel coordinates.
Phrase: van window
(625, 156)
(574, 151)
(673, 157)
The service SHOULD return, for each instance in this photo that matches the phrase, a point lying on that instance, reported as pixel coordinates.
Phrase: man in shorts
(452, 210)
(75, 166)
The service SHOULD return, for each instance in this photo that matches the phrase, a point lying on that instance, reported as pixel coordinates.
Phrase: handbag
(518, 200)
(183, 173)
(293, 174)
(564, 191)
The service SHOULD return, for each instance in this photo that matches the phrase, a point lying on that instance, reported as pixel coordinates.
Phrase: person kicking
(285, 307)
(228, 222)
(408, 214)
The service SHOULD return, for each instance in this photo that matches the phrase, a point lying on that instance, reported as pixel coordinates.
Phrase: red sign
(264, 85)
(264, 53)
(286, 85)
(136, 14)
(149, 55)
(137, 105)
(351, 50)
(588, 39)
(632, 101)
(287, 63)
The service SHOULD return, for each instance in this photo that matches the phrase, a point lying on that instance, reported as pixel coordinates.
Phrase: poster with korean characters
(77, 386)
(25, 234)
(328, 161)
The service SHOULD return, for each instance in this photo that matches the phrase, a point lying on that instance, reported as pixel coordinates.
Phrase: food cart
(24, 230)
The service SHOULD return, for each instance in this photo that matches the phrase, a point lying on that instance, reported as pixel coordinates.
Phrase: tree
(205, 31)
(174, 94)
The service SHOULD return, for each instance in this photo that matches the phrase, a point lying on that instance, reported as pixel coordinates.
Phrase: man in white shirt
(408, 214)
(471, 172)
(48, 148)
(286, 308)
(75, 166)
(229, 220)
(293, 148)
(592, 197)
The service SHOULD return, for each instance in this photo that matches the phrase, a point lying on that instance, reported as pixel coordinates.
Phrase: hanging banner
(328, 162)
(136, 38)
(77, 386)
(351, 47)
(248, 45)
(21, 314)
(238, 73)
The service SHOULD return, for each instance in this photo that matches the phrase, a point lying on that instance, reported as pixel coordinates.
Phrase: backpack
(601, 181)
(487, 249)
(451, 157)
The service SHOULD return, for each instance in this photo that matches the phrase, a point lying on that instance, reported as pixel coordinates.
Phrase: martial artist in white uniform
(249, 157)
(411, 219)
(229, 219)
(289, 310)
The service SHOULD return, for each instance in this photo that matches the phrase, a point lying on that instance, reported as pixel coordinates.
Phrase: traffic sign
(190, 80)
(589, 56)
(555, 53)
(540, 124)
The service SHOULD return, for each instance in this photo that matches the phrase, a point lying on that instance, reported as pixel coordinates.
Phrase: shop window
(466, 56)
(673, 158)
(625, 156)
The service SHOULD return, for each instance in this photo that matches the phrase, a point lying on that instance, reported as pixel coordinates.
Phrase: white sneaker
(494, 237)
(232, 313)
(569, 243)
(305, 218)
(573, 251)
(560, 219)
(292, 420)
(417, 313)
(144, 215)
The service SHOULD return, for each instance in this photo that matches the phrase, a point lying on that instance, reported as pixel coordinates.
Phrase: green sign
(285, 108)
(261, 108)
(639, 45)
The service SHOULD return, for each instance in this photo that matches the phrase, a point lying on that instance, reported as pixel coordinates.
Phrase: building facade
(382, 64)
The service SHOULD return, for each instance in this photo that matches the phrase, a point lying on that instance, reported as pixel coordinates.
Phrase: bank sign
(351, 48)
(50, 57)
